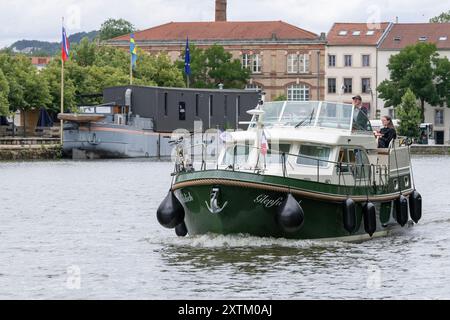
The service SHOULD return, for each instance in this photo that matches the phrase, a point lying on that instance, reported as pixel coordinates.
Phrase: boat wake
(244, 241)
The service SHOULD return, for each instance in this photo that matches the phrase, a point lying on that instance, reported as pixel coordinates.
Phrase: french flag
(65, 46)
(264, 144)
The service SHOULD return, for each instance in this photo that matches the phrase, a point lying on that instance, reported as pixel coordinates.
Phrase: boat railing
(345, 173)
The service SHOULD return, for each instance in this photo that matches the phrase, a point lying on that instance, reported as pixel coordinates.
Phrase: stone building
(283, 59)
(351, 64)
(402, 35)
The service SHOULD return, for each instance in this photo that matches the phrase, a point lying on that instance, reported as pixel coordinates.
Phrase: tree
(420, 69)
(157, 70)
(89, 70)
(215, 66)
(442, 80)
(199, 74)
(112, 28)
(52, 75)
(221, 69)
(85, 53)
(409, 115)
(27, 88)
(442, 18)
(4, 92)
(92, 68)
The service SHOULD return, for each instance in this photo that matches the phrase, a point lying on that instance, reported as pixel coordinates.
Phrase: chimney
(221, 10)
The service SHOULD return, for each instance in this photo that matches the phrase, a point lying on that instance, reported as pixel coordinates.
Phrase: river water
(88, 230)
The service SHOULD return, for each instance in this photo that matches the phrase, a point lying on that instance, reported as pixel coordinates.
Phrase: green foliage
(4, 92)
(409, 115)
(157, 70)
(280, 98)
(92, 68)
(442, 18)
(215, 66)
(52, 75)
(420, 69)
(89, 70)
(442, 80)
(112, 28)
(85, 53)
(27, 88)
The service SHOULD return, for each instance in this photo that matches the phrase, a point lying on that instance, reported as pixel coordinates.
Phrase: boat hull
(107, 141)
(248, 204)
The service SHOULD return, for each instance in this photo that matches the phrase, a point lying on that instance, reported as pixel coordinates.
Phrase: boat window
(311, 155)
(275, 152)
(335, 115)
(361, 121)
(273, 112)
(237, 154)
(355, 161)
(307, 114)
(96, 110)
(299, 113)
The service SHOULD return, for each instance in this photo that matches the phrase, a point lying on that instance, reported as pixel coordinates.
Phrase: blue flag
(133, 51)
(187, 59)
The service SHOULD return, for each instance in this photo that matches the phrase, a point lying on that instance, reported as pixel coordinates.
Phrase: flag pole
(131, 69)
(187, 63)
(62, 92)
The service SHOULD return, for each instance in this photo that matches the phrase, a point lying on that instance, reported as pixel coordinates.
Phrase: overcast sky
(41, 19)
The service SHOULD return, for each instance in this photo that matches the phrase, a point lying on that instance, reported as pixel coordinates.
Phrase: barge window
(197, 105)
(211, 105)
(238, 105)
(225, 105)
(166, 111)
(309, 155)
(182, 111)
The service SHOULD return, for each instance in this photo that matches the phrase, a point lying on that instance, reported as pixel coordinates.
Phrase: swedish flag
(133, 51)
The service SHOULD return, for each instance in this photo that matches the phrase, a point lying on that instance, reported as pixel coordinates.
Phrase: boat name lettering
(268, 202)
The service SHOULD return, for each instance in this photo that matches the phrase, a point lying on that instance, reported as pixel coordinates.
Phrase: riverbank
(430, 149)
(30, 149)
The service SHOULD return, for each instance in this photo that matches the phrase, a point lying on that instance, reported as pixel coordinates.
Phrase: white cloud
(41, 19)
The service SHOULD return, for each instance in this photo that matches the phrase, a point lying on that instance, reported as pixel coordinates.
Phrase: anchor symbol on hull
(213, 205)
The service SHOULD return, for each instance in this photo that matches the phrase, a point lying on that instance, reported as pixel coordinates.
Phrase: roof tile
(356, 34)
(405, 34)
(257, 30)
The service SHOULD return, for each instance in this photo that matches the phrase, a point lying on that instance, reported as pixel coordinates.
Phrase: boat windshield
(313, 114)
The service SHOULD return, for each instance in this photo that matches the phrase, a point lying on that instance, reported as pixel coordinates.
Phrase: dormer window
(370, 33)
(443, 38)
(397, 39)
(356, 33)
(343, 33)
(423, 38)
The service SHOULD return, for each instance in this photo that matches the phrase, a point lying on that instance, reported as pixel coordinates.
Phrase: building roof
(356, 34)
(405, 34)
(222, 30)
